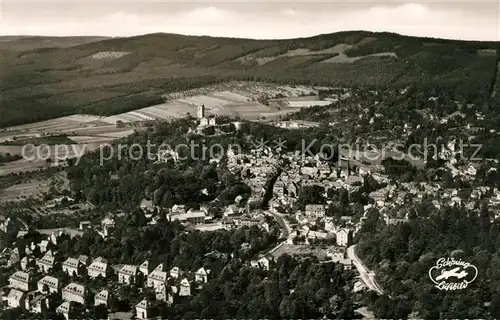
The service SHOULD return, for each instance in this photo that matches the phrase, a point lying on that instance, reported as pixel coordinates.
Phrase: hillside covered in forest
(108, 76)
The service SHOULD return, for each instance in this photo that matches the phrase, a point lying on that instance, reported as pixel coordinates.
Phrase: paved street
(366, 275)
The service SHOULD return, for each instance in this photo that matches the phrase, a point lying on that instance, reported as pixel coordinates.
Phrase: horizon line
(244, 38)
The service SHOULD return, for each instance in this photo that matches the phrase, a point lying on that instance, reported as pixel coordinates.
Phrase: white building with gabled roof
(157, 278)
(72, 266)
(101, 298)
(15, 299)
(44, 246)
(74, 292)
(52, 284)
(201, 275)
(344, 237)
(64, 309)
(46, 263)
(192, 216)
(98, 267)
(83, 259)
(175, 272)
(20, 280)
(142, 309)
(184, 288)
(145, 268)
(26, 263)
(264, 263)
(127, 274)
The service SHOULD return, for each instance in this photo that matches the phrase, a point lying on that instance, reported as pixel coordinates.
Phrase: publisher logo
(450, 274)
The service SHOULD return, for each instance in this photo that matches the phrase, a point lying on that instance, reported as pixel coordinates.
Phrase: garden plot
(210, 103)
(276, 115)
(230, 96)
(82, 118)
(48, 126)
(91, 131)
(57, 124)
(174, 109)
(24, 190)
(247, 110)
(14, 150)
(297, 91)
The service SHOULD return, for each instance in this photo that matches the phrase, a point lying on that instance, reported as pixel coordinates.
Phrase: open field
(91, 139)
(36, 158)
(307, 104)
(174, 109)
(61, 124)
(22, 191)
(298, 249)
(34, 187)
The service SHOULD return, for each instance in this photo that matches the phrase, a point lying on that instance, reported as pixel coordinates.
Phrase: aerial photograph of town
(249, 160)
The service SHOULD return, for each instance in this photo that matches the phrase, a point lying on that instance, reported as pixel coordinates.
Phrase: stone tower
(201, 111)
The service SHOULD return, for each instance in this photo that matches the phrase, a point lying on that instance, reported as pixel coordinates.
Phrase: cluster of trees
(453, 66)
(133, 241)
(7, 157)
(292, 289)
(48, 140)
(124, 180)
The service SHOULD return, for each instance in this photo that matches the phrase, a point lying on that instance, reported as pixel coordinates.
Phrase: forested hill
(105, 76)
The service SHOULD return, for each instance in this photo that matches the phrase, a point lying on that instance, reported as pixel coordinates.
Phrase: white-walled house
(156, 278)
(145, 268)
(98, 267)
(64, 309)
(101, 298)
(175, 272)
(15, 299)
(142, 310)
(46, 263)
(344, 237)
(20, 280)
(74, 292)
(52, 284)
(127, 274)
(201, 275)
(72, 266)
(264, 263)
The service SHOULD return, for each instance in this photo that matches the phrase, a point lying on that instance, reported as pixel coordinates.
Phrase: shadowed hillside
(121, 74)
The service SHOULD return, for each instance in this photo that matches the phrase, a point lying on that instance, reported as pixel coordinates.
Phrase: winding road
(285, 228)
(366, 275)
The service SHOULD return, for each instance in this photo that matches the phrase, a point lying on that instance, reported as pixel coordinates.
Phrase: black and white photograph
(249, 159)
